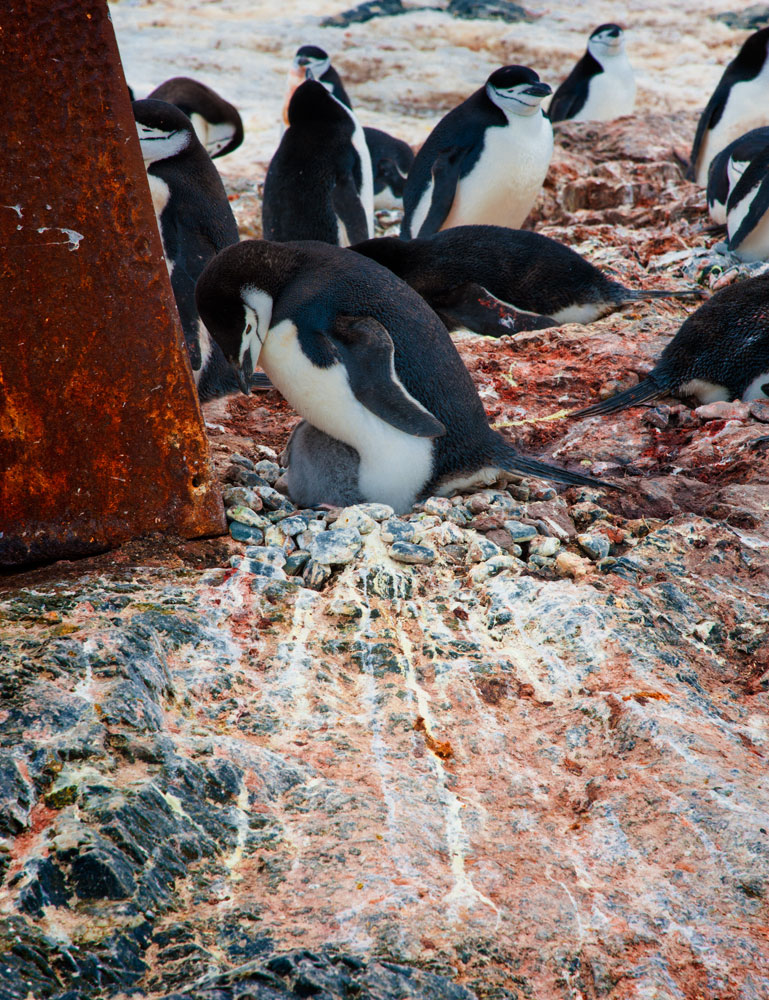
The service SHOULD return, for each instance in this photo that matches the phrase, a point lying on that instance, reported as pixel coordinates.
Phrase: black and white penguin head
(234, 297)
(516, 90)
(311, 62)
(312, 102)
(164, 130)
(606, 40)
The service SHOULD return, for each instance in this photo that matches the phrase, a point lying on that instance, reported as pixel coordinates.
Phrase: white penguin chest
(504, 183)
(394, 466)
(611, 94)
(747, 107)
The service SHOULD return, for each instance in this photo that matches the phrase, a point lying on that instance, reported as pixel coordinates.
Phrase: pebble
(345, 609)
(244, 533)
(595, 545)
(482, 549)
(379, 511)
(759, 410)
(520, 532)
(722, 410)
(459, 515)
(440, 506)
(415, 555)
(296, 562)
(571, 565)
(258, 567)
(395, 530)
(272, 555)
(354, 517)
(546, 547)
(493, 567)
(274, 535)
(316, 574)
(538, 491)
(235, 496)
(478, 503)
(244, 515)
(314, 528)
(656, 416)
(335, 547)
(446, 533)
(295, 524)
(586, 513)
(503, 539)
(273, 500)
(268, 470)
(242, 460)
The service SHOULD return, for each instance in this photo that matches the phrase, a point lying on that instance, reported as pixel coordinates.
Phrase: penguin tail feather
(641, 294)
(512, 461)
(645, 390)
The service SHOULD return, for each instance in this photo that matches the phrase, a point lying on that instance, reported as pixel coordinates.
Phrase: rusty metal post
(101, 436)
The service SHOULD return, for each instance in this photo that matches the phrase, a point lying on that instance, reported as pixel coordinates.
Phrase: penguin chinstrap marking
(601, 86)
(728, 167)
(391, 158)
(485, 162)
(498, 281)
(314, 188)
(721, 352)
(365, 361)
(217, 123)
(195, 222)
(739, 104)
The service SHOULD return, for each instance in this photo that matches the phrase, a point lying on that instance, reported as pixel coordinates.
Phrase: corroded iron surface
(101, 437)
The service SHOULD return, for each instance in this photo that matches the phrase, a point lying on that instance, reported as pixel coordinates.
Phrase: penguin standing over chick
(499, 281)
(485, 161)
(721, 352)
(367, 363)
(195, 221)
(602, 84)
(217, 123)
(391, 158)
(739, 103)
(316, 186)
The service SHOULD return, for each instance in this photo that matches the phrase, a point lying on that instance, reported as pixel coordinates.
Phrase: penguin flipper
(348, 208)
(366, 350)
(709, 118)
(567, 101)
(471, 306)
(446, 172)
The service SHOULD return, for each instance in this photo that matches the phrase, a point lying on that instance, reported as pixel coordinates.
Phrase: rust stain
(101, 436)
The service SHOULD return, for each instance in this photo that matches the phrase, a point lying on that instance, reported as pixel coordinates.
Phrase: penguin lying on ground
(728, 167)
(485, 161)
(739, 103)
(721, 352)
(195, 221)
(602, 84)
(216, 122)
(499, 281)
(316, 186)
(366, 362)
(391, 158)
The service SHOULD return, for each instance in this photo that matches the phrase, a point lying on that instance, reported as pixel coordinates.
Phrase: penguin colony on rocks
(354, 331)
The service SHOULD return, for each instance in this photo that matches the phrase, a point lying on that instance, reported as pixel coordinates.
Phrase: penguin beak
(243, 372)
(540, 90)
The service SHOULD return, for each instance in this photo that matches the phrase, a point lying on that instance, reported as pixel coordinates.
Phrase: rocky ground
(511, 745)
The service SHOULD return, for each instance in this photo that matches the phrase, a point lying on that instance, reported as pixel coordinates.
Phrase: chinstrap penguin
(485, 161)
(728, 167)
(747, 209)
(195, 222)
(315, 187)
(721, 352)
(497, 281)
(391, 158)
(364, 360)
(602, 84)
(739, 103)
(216, 122)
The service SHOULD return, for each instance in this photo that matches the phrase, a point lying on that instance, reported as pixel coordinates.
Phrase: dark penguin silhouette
(485, 161)
(195, 221)
(216, 122)
(721, 352)
(499, 281)
(366, 362)
(739, 103)
(602, 84)
(391, 158)
(314, 187)
(728, 167)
